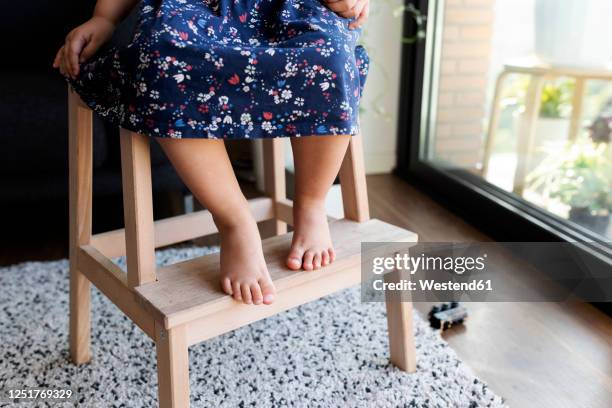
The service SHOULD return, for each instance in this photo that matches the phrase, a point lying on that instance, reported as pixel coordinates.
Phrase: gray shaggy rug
(328, 353)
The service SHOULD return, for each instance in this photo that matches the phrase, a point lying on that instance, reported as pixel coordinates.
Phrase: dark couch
(34, 133)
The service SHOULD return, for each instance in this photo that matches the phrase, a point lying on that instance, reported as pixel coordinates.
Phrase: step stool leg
(355, 202)
(80, 153)
(399, 322)
(138, 208)
(274, 176)
(172, 366)
(353, 182)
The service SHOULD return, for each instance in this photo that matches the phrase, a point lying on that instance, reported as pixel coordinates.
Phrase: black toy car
(446, 315)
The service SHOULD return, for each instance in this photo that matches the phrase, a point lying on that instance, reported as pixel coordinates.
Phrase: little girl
(200, 71)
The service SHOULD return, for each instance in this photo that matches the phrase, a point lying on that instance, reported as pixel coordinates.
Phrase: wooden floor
(532, 354)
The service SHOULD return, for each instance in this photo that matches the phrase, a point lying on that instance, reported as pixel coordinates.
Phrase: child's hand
(82, 43)
(358, 9)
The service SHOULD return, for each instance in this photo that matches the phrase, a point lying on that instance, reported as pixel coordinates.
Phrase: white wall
(382, 39)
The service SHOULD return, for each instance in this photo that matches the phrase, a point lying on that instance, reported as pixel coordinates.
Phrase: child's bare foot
(311, 247)
(244, 274)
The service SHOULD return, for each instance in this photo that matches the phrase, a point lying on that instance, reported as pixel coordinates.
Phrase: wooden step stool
(182, 304)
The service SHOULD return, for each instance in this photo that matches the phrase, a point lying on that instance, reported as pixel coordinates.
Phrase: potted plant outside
(581, 178)
(552, 126)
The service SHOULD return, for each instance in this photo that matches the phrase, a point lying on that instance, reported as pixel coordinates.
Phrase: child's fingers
(65, 59)
(342, 7)
(62, 63)
(65, 66)
(363, 16)
(89, 50)
(74, 51)
(357, 11)
(56, 60)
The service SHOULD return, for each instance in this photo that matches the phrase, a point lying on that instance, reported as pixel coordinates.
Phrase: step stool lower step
(189, 292)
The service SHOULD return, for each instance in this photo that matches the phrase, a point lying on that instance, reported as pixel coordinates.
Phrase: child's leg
(204, 167)
(317, 162)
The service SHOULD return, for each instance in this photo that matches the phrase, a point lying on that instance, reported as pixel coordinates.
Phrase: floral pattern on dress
(231, 69)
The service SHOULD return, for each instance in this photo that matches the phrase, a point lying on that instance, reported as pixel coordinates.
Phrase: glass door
(517, 99)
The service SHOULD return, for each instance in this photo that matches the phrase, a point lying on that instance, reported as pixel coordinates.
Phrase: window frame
(500, 214)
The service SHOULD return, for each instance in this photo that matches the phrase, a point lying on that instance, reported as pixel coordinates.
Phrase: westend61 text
(431, 285)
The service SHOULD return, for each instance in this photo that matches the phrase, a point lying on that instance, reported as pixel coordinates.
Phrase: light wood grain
(190, 290)
(237, 315)
(138, 207)
(179, 228)
(549, 71)
(402, 349)
(353, 182)
(186, 304)
(172, 367)
(112, 282)
(274, 176)
(284, 211)
(493, 123)
(526, 136)
(577, 109)
(80, 190)
(356, 207)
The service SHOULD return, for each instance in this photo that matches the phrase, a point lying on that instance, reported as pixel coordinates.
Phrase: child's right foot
(244, 274)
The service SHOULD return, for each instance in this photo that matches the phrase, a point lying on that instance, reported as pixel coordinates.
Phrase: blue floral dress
(231, 69)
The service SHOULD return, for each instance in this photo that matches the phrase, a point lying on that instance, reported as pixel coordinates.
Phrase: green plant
(580, 178)
(556, 99)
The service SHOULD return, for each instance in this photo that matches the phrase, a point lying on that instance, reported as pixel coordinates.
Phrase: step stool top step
(190, 290)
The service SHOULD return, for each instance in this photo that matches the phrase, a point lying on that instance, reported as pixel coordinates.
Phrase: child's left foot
(311, 247)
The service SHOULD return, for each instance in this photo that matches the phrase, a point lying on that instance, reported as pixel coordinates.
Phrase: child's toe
(226, 284)
(316, 261)
(256, 294)
(325, 258)
(236, 292)
(308, 258)
(267, 290)
(332, 255)
(246, 293)
(294, 259)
